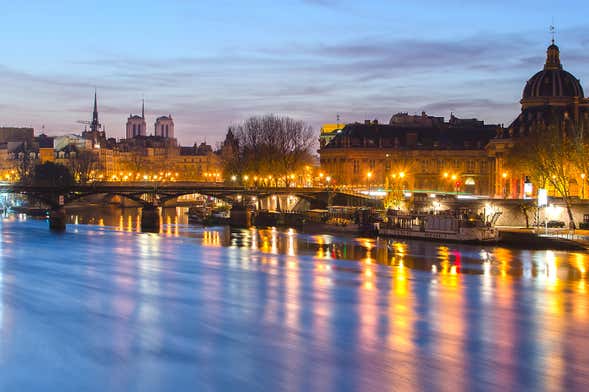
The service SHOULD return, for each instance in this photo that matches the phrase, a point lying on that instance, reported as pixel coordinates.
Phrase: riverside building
(422, 152)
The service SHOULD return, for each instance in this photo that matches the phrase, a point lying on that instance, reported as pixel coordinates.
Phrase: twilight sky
(213, 63)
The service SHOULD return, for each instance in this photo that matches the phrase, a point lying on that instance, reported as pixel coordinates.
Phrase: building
(461, 154)
(96, 135)
(136, 125)
(46, 149)
(16, 134)
(80, 142)
(164, 127)
(328, 132)
(414, 152)
(551, 97)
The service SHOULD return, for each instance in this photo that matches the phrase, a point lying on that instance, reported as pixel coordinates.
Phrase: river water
(103, 307)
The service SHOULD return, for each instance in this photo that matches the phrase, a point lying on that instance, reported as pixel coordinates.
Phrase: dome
(553, 81)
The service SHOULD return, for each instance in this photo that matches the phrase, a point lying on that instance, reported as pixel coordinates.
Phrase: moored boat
(441, 227)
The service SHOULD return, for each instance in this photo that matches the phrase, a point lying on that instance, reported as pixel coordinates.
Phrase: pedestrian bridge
(151, 195)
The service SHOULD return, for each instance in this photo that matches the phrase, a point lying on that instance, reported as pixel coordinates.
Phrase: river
(104, 307)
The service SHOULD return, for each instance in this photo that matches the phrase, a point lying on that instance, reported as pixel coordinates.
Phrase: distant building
(46, 150)
(80, 142)
(164, 127)
(328, 132)
(96, 136)
(136, 125)
(15, 134)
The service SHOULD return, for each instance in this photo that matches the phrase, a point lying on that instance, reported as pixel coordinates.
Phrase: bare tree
(546, 157)
(82, 164)
(268, 146)
(25, 165)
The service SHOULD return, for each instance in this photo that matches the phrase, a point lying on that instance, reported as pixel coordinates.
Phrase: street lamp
(504, 176)
(369, 177)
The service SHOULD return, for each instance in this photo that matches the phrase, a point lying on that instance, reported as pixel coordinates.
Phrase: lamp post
(369, 177)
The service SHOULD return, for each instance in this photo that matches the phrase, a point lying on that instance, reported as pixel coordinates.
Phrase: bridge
(151, 195)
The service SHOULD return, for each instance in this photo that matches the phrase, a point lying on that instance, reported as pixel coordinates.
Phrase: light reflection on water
(279, 310)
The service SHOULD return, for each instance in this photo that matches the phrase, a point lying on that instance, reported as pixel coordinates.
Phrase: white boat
(441, 227)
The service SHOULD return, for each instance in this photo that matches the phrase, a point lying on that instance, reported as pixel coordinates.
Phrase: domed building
(465, 155)
(551, 97)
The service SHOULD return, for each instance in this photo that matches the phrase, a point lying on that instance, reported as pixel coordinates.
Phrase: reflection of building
(422, 152)
(164, 127)
(551, 97)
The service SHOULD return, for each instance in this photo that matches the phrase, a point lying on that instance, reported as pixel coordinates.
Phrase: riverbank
(554, 239)
(511, 237)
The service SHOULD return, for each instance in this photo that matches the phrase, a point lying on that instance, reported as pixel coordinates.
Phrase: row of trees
(267, 146)
(79, 168)
(552, 157)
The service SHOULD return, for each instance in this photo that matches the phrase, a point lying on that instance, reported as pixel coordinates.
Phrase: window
(484, 166)
(356, 166)
(470, 166)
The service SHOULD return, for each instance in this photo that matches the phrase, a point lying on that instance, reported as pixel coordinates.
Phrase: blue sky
(213, 63)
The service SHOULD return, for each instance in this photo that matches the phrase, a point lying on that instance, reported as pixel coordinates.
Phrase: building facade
(414, 152)
(164, 127)
(427, 153)
(552, 97)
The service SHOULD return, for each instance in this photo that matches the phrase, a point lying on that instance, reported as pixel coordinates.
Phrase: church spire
(95, 125)
(143, 108)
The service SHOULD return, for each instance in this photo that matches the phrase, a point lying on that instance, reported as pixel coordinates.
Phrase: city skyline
(214, 65)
